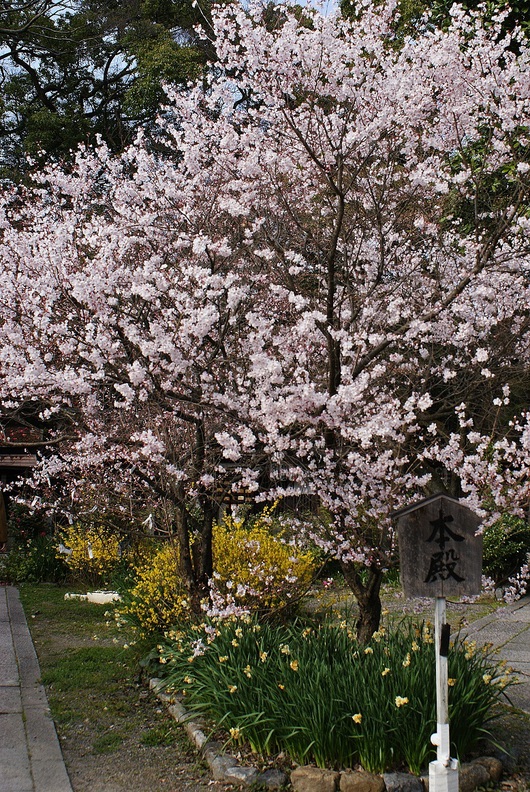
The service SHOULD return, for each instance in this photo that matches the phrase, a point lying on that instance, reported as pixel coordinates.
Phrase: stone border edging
(223, 766)
(226, 768)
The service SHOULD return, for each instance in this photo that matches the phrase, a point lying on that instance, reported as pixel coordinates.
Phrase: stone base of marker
(443, 778)
(471, 775)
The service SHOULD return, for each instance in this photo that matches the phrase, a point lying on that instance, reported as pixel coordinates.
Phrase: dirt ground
(132, 766)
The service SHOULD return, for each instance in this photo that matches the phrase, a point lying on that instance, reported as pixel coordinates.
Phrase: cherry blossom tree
(325, 291)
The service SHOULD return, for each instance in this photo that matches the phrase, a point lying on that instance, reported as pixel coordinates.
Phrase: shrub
(255, 568)
(157, 598)
(255, 571)
(506, 546)
(35, 561)
(32, 557)
(321, 697)
(95, 553)
(27, 523)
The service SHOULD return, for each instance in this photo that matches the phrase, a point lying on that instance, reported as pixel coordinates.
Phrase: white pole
(443, 773)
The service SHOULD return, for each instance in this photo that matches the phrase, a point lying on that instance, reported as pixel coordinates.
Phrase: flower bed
(318, 695)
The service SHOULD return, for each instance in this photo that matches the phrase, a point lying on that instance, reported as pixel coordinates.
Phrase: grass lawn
(114, 734)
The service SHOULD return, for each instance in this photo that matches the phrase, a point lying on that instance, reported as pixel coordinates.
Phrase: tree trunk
(368, 599)
(203, 552)
(185, 557)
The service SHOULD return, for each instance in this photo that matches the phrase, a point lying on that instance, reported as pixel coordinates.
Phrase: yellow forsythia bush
(255, 567)
(95, 552)
(157, 600)
(254, 570)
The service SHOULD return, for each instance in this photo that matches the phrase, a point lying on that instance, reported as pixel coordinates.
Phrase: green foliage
(160, 735)
(86, 667)
(323, 698)
(36, 562)
(161, 60)
(506, 546)
(32, 557)
(96, 69)
(108, 743)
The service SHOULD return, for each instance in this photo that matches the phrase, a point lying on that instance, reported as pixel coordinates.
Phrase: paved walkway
(30, 755)
(509, 629)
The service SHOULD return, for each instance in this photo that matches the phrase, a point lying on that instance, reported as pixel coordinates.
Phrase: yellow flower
(415, 646)
(263, 656)
(343, 625)
(223, 659)
(368, 650)
(306, 632)
(235, 643)
(451, 682)
(487, 678)
(234, 733)
(187, 680)
(357, 718)
(232, 688)
(385, 672)
(282, 687)
(401, 701)
(247, 671)
(284, 649)
(239, 632)
(406, 661)
(385, 612)
(427, 635)
(471, 648)
(294, 665)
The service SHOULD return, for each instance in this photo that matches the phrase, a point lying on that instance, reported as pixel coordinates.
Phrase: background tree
(297, 303)
(73, 70)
